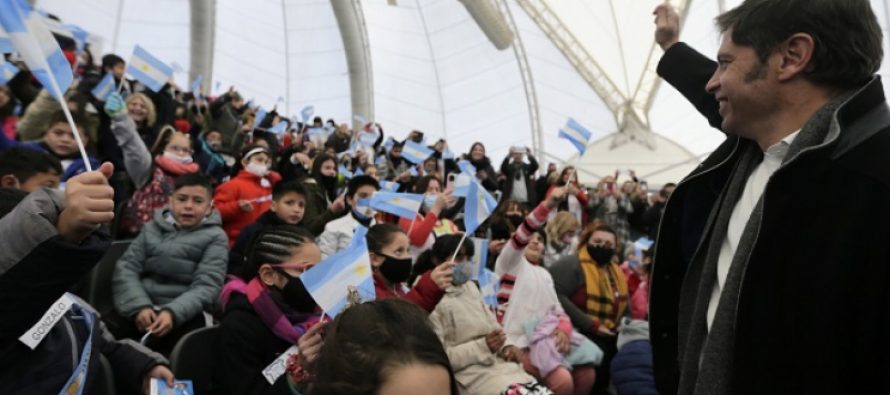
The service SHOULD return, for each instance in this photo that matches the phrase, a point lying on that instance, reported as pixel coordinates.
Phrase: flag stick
(74, 130)
(464, 237)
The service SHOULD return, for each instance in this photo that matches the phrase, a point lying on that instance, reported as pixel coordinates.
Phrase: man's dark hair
(9, 198)
(194, 179)
(282, 188)
(111, 60)
(24, 163)
(359, 181)
(846, 33)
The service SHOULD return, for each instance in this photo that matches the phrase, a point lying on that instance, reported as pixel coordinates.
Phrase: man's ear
(9, 181)
(796, 53)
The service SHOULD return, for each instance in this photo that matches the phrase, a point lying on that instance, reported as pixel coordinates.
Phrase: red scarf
(176, 168)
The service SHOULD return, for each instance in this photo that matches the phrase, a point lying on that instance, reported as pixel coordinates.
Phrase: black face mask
(516, 220)
(601, 255)
(395, 270)
(296, 296)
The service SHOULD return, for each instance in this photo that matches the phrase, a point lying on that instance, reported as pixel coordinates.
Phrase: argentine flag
(331, 281)
(489, 284)
(5, 42)
(80, 37)
(478, 207)
(258, 118)
(415, 153)
(463, 179)
(279, 128)
(345, 172)
(7, 71)
(389, 143)
(307, 113)
(391, 186)
(196, 86)
(148, 70)
(104, 88)
(480, 258)
(360, 119)
(576, 134)
(33, 41)
(405, 205)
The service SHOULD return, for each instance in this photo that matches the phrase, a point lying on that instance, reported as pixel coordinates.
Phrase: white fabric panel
(318, 72)
(562, 93)
(249, 50)
(159, 26)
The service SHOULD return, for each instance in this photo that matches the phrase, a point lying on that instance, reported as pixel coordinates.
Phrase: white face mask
(364, 209)
(257, 169)
(184, 159)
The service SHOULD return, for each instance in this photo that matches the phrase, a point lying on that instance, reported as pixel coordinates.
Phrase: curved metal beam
(528, 82)
(201, 30)
(354, 33)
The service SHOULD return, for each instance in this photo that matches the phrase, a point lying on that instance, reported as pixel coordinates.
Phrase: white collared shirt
(741, 213)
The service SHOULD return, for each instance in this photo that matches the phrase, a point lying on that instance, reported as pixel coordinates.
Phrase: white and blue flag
(105, 88)
(196, 86)
(307, 112)
(360, 119)
(5, 43)
(279, 128)
(7, 71)
(258, 118)
(576, 134)
(389, 143)
(380, 160)
(80, 37)
(415, 153)
(480, 258)
(38, 48)
(390, 186)
(478, 207)
(489, 284)
(148, 70)
(177, 68)
(405, 205)
(332, 280)
(345, 172)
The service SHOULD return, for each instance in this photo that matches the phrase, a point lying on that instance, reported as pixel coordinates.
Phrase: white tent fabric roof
(433, 68)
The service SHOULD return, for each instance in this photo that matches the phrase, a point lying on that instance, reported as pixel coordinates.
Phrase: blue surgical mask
(429, 201)
(463, 272)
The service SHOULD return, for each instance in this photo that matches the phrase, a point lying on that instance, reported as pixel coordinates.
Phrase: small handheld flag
(196, 86)
(148, 70)
(415, 153)
(331, 281)
(405, 205)
(104, 88)
(279, 128)
(576, 134)
(307, 113)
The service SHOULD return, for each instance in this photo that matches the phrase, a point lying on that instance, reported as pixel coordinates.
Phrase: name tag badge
(34, 336)
(279, 365)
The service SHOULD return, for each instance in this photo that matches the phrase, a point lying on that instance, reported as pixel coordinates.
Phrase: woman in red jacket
(391, 262)
(428, 224)
(248, 195)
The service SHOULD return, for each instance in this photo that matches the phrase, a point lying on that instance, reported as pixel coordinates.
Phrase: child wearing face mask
(322, 203)
(388, 247)
(244, 198)
(153, 172)
(267, 313)
(474, 341)
(429, 222)
(338, 233)
(173, 270)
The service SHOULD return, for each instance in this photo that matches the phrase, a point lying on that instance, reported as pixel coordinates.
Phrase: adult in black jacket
(803, 307)
(514, 170)
(484, 172)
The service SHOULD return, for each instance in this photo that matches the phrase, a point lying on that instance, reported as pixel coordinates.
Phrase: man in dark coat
(761, 286)
(517, 184)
